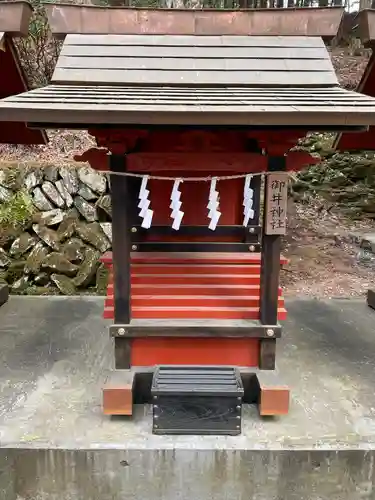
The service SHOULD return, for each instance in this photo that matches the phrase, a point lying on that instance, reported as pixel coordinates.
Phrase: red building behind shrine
(14, 22)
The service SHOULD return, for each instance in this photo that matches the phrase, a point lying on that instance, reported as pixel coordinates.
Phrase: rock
(74, 250)
(92, 179)
(35, 258)
(33, 178)
(86, 192)
(70, 179)
(85, 209)
(64, 284)
(41, 201)
(5, 194)
(50, 218)
(366, 257)
(4, 259)
(88, 268)
(51, 173)
(355, 238)
(107, 229)
(66, 228)
(102, 279)
(4, 293)
(57, 262)
(41, 279)
(21, 284)
(3, 177)
(105, 204)
(73, 212)
(15, 271)
(22, 244)
(41, 290)
(52, 194)
(49, 236)
(368, 242)
(93, 234)
(60, 186)
(12, 178)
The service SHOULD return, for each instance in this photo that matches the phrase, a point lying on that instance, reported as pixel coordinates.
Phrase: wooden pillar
(270, 269)
(121, 248)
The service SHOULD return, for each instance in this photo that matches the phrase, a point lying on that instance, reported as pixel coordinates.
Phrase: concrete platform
(55, 354)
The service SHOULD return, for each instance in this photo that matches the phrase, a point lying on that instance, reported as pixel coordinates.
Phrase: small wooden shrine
(364, 140)
(190, 111)
(14, 22)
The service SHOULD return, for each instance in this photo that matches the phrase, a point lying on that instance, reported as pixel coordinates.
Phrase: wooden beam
(194, 328)
(121, 247)
(270, 273)
(267, 354)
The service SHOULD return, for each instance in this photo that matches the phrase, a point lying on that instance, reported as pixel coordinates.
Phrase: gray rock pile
(57, 249)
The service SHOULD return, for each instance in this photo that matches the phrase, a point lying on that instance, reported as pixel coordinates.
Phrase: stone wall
(55, 244)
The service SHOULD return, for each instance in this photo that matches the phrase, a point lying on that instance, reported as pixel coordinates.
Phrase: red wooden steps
(197, 269)
(191, 257)
(201, 290)
(194, 279)
(192, 301)
(193, 286)
(194, 313)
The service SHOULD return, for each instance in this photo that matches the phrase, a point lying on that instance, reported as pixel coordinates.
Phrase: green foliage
(17, 211)
(345, 180)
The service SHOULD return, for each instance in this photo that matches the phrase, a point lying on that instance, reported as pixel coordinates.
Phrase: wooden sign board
(276, 203)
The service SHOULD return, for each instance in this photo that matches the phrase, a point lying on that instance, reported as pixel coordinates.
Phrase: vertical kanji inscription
(276, 209)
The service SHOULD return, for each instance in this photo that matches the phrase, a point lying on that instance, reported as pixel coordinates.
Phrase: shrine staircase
(193, 286)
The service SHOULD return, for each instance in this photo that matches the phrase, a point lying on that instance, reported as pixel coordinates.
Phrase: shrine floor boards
(55, 354)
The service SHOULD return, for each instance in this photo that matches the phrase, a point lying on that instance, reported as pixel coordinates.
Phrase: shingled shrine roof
(14, 21)
(192, 80)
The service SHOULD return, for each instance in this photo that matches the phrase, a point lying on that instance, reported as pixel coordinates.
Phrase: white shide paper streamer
(175, 205)
(213, 205)
(248, 195)
(144, 204)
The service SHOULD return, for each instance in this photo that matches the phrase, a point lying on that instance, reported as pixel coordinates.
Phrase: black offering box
(197, 400)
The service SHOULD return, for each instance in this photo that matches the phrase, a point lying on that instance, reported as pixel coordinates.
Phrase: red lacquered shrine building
(14, 22)
(184, 94)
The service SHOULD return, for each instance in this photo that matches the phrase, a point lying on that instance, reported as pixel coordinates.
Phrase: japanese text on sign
(276, 207)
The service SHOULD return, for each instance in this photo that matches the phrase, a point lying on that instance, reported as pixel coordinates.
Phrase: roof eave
(15, 18)
(87, 19)
(323, 119)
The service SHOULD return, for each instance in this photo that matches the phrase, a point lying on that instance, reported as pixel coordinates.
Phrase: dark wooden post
(121, 248)
(270, 274)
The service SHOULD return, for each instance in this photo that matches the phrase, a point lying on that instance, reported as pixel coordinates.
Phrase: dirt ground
(323, 261)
